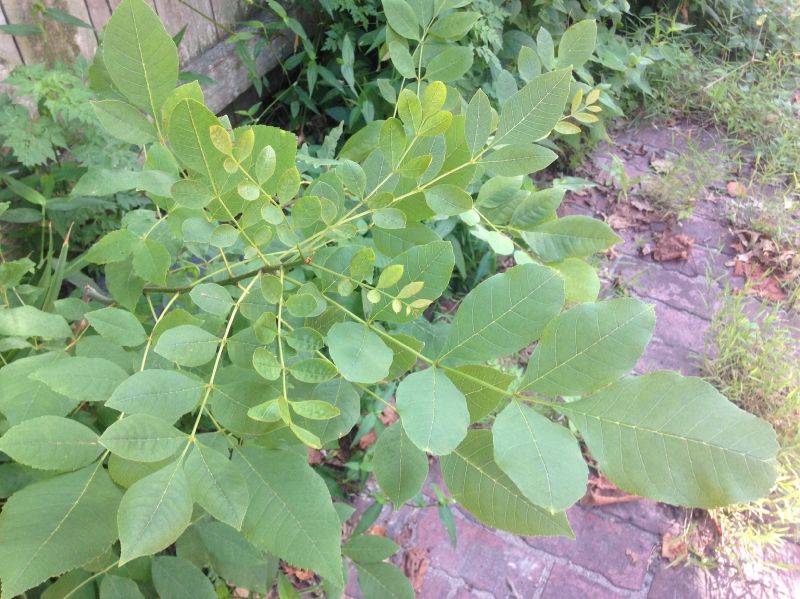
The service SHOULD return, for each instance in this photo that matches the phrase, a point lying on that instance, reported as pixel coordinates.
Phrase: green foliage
(246, 322)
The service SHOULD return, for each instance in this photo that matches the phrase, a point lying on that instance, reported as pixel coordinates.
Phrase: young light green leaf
(676, 439)
(291, 514)
(187, 344)
(448, 200)
(154, 512)
(221, 139)
(314, 409)
(217, 485)
(533, 111)
(140, 56)
(265, 164)
(180, 579)
(588, 346)
(359, 354)
(212, 298)
(341, 396)
(82, 379)
(118, 326)
(313, 370)
(409, 108)
(433, 411)
(478, 122)
(478, 484)
(542, 458)
(53, 526)
(577, 44)
(518, 159)
(400, 467)
(431, 263)
(51, 443)
(504, 313)
(570, 237)
(142, 438)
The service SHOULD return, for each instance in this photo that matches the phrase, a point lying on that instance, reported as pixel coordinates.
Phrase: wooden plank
(62, 42)
(223, 65)
(200, 34)
(99, 12)
(9, 55)
(228, 13)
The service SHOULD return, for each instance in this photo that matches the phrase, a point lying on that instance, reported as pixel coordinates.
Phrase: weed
(749, 357)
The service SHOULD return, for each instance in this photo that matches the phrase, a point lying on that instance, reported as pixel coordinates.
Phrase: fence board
(200, 33)
(99, 11)
(9, 55)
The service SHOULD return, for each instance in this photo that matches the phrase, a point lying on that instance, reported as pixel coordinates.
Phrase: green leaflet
(570, 236)
(542, 458)
(448, 65)
(290, 512)
(22, 397)
(342, 396)
(581, 283)
(167, 394)
(118, 326)
(154, 512)
(81, 379)
(577, 44)
(142, 438)
(432, 410)
(234, 558)
(518, 159)
(676, 439)
(482, 386)
(432, 264)
(536, 206)
(217, 485)
(124, 122)
(178, 578)
(533, 111)
(383, 581)
(140, 56)
(27, 321)
(401, 18)
(477, 483)
(504, 313)
(478, 122)
(51, 443)
(400, 467)
(56, 525)
(118, 587)
(187, 344)
(212, 298)
(369, 549)
(589, 346)
(359, 354)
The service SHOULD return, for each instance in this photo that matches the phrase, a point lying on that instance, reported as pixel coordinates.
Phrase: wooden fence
(202, 49)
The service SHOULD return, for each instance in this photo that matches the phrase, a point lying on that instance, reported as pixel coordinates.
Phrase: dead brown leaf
(670, 246)
(674, 547)
(736, 189)
(415, 565)
(601, 491)
(377, 530)
(314, 456)
(298, 573)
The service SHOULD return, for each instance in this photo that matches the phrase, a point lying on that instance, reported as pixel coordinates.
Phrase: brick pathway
(617, 548)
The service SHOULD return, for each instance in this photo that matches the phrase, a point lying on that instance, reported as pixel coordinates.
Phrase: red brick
(564, 583)
(615, 550)
(482, 560)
